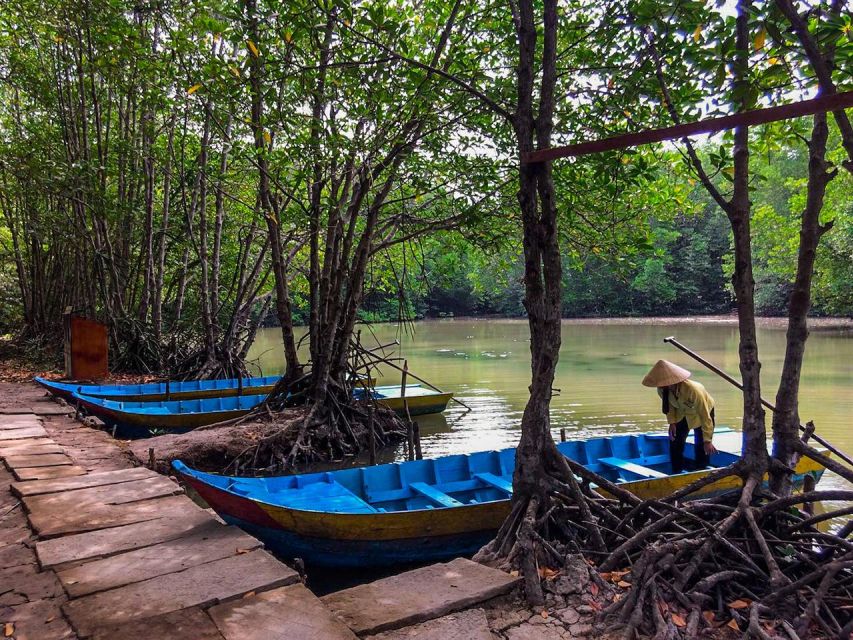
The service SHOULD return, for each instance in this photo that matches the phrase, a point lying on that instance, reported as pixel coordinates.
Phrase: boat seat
(632, 467)
(438, 497)
(495, 481)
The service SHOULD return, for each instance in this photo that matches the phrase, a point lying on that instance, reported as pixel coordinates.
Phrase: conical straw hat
(665, 373)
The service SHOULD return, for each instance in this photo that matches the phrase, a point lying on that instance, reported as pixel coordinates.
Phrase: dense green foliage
(684, 268)
(130, 155)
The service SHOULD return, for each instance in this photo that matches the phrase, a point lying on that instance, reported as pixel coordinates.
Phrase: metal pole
(675, 343)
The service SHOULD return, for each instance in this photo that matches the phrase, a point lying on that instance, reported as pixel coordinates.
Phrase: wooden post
(416, 431)
(152, 461)
(371, 430)
(409, 427)
(809, 485)
(562, 434)
(168, 389)
(240, 385)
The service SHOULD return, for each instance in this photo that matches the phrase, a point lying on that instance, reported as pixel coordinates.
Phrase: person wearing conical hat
(687, 405)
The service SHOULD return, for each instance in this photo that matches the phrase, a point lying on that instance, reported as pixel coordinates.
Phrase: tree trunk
(754, 453)
(786, 418)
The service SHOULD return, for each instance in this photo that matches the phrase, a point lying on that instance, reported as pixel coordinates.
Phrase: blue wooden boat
(136, 418)
(160, 391)
(430, 510)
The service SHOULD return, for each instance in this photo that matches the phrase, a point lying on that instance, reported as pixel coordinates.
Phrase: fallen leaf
(606, 575)
(732, 624)
(242, 551)
(593, 589)
(544, 613)
(547, 573)
(678, 620)
(663, 606)
(595, 604)
(623, 584)
(709, 616)
(514, 573)
(619, 574)
(51, 619)
(8, 629)
(249, 594)
(739, 604)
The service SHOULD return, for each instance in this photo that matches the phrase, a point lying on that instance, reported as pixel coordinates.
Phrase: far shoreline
(770, 322)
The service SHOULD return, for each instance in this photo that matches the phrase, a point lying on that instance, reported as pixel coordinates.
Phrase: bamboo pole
(725, 376)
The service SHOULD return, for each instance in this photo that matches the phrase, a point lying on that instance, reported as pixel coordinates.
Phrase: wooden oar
(725, 376)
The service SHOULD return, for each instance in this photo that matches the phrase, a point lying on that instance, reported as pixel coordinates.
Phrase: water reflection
(486, 363)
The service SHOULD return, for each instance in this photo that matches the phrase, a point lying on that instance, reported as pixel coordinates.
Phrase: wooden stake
(409, 427)
(371, 430)
(152, 461)
(562, 434)
(416, 430)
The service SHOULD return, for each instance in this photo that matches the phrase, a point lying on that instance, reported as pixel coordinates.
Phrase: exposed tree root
(745, 559)
(741, 567)
(328, 431)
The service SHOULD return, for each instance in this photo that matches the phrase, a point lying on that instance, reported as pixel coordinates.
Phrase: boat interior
(393, 391)
(450, 481)
(119, 390)
(227, 403)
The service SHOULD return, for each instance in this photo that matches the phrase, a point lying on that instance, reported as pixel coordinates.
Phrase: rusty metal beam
(712, 125)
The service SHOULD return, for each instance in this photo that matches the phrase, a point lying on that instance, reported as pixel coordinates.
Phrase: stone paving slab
(37, 460)
(198, 586)
(39, 620)
(204, 545)
(287, 613)
(101, 496)
(82, 482)
(26, 583)
(417, 595)
(462, 625)
(19, 422)
(48, 473)
(68, 520)
(30, 447)
(26, 432)
(11, 447)
(186, 624)
(63, 552)
(14, 555)
(48, 408)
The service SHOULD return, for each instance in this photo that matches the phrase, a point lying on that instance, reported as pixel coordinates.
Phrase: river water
(486, 364)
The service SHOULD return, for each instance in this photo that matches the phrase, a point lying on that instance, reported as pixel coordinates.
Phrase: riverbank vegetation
(185, 174)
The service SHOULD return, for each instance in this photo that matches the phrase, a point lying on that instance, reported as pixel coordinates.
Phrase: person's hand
(672, 432)
(710, 449)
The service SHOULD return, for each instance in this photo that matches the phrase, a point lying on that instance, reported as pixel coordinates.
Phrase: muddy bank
(214, 448)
